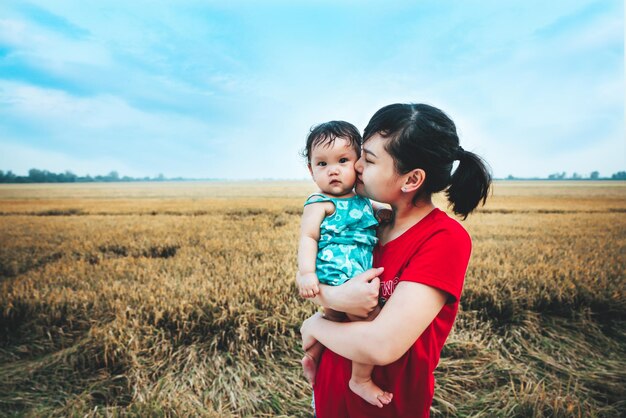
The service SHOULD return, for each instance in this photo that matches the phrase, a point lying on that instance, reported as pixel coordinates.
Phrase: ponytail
(469, 184)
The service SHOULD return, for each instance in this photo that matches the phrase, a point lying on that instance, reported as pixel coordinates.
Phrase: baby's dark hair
(422, 136)
(326, 133)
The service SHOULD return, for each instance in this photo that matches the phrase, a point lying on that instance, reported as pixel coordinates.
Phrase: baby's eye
(343, 160)
(322, 163)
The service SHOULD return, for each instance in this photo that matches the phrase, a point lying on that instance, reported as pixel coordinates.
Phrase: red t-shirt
(435, 252)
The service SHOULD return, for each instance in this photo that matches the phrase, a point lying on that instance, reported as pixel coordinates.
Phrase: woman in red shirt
(422, 255)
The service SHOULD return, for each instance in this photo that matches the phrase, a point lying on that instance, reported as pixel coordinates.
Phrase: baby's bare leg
(310, 360)
(361, 380)
(314, 353)
(361, 383)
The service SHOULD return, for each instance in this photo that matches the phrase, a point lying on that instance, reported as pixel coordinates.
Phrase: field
(177, 299)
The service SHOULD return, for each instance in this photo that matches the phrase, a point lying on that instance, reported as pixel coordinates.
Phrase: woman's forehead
(374, 146)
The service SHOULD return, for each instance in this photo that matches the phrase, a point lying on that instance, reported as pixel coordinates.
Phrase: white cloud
(100, 115)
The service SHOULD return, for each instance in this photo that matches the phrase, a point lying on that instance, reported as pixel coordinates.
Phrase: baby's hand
(384, 215)
(308, 285)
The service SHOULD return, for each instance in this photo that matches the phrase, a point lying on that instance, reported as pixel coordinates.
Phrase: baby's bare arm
(312, 217)
(382, 212)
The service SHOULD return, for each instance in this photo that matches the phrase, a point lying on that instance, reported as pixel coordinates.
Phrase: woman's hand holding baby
(357, 297)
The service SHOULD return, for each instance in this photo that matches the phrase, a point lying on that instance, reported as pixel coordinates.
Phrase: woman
(408, 154)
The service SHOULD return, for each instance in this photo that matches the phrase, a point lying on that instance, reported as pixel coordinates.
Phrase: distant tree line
(45, 176)
(594, 175)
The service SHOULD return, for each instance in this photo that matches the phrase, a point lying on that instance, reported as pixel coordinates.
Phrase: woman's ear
(414, 179)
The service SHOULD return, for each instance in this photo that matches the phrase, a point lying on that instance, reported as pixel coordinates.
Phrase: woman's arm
(405, 316)
(358, 296)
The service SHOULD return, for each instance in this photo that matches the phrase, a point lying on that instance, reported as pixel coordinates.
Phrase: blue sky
(229, 89)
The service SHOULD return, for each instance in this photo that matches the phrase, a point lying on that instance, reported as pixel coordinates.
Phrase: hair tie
(459, 153)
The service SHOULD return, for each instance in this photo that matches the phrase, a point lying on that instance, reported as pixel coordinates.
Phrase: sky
(230, 89)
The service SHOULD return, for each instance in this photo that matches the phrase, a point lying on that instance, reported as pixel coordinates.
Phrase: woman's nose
(358, 166)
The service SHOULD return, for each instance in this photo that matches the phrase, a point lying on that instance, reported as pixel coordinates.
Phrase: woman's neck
(405, 215)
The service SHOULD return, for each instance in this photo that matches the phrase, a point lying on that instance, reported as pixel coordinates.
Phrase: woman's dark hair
(326, 133)
(422, 136)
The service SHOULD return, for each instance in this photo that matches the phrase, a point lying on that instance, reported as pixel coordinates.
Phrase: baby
(338, 235)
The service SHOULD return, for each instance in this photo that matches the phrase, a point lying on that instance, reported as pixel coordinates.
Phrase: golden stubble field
(177, 299)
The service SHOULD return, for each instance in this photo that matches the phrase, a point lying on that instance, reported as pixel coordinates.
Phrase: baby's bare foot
(370, 392)
(309, 367)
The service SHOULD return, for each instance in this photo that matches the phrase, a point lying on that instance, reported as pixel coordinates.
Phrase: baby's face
(332, 167)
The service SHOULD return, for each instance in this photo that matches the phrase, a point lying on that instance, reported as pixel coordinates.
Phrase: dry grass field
(177, 299)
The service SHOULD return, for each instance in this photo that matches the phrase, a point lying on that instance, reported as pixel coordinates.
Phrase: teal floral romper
(347, 239)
